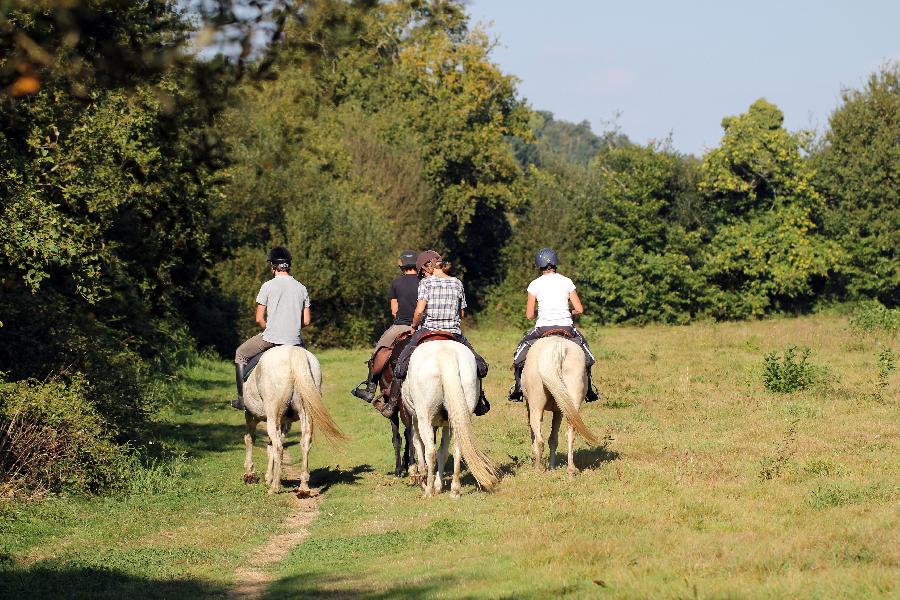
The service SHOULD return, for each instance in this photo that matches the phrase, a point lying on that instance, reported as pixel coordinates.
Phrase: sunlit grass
(707, 486)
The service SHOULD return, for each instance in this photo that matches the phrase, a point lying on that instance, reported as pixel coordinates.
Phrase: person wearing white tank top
(553, 294)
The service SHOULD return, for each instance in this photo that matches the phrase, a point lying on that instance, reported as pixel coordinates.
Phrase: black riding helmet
(408, 259)
(280, 257)
(546, 257)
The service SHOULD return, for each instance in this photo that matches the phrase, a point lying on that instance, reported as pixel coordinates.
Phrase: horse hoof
(455, 494)
(251, 478)
(572, 473)
(301, 492)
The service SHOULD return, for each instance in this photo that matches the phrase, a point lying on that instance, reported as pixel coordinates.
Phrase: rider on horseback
(553, 293)
(440, 305)
(403, 303)
(282, 308)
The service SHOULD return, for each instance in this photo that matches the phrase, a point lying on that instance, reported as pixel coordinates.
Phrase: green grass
(707, 486)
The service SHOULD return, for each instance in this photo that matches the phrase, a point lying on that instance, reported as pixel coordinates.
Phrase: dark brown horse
(402, 453)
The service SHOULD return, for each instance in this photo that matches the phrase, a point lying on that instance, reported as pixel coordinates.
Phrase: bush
(874, 317)
(53, 440)
(790, 372)
(887, 364)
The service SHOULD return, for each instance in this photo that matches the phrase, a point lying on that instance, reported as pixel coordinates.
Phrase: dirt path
(254, 577)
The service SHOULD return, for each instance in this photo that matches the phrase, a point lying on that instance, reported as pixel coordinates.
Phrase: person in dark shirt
(402, 296)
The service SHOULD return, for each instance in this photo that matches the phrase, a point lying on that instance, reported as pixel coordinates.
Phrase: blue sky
(680, 67)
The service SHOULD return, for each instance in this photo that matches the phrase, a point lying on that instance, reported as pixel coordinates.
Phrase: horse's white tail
(549, 367)
(306, 390)
(479, 464)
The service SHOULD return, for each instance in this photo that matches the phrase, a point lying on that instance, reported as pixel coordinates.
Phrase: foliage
(557, 141)
(887, 364)
(788, 372)
(858, 170)
(53, 440)
(636, 261)
(874, 317)
(768, 252)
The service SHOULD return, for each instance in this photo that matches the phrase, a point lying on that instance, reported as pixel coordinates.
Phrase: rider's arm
(577, 308)
(261, 315)
(307, 317)
(529, 306)
(395, 306)
(419, 313)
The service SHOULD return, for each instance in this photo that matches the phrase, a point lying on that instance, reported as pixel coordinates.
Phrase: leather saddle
(560, 332)
(434, 336)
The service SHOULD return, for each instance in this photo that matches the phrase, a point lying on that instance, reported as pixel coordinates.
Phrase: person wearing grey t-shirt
(282, 309)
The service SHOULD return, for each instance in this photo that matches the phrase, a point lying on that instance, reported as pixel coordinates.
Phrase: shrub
(873, 317)
(887, 364)
(789, 372)
(53, 440)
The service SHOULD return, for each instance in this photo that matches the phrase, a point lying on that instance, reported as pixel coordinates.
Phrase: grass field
(708, 486)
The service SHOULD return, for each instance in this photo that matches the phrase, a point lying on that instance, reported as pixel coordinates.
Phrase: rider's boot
(366, 389)
(591, 394)
(515, 395)
(238, 402)
(483, 406)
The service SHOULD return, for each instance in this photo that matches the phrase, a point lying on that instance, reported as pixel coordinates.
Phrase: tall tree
(858, 169)
(768, 252)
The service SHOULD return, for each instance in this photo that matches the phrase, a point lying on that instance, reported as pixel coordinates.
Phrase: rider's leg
(242, 356)
(591, 392)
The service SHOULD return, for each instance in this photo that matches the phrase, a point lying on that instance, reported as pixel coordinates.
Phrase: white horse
(554, 379)
(285, 386)
(442, 375)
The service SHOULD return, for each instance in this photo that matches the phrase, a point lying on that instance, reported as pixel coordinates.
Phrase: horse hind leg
(443, 452)
(430, 455)
(455, 485)
(536, 419)
(276, 454)
(553, 440)
(398, 446)
(306, 434)
(570, 435)
(249, 440)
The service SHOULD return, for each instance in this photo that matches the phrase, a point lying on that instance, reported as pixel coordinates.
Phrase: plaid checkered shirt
(445, 296)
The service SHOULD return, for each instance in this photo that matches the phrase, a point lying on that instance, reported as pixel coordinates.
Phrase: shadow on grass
(593, 458)
(315, 585)
(585, 459)
(325, 477)
(203, 437)
(66, 581)
(333, 586)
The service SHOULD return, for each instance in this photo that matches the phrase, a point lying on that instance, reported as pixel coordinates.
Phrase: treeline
(142, 186)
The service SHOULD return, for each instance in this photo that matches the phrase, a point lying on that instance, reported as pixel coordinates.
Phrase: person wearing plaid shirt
(440, 305)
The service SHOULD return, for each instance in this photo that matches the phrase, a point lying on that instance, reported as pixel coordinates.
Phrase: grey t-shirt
(284, 298)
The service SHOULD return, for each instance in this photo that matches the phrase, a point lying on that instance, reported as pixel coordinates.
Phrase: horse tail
(310, 396)
(479, 464)
(550, 369)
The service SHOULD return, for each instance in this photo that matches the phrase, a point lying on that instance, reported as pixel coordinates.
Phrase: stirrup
(515, 395)
(363, 392)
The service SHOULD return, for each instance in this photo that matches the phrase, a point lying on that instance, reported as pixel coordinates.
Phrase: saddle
(559, 332)
(434, 336)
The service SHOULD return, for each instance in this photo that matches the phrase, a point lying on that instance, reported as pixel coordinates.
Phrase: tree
(858, 170)
(768, 251)
(637, 261)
